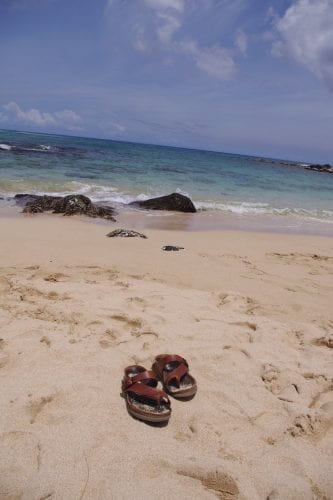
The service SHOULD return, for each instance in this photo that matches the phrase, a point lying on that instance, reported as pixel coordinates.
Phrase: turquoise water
(120, 172)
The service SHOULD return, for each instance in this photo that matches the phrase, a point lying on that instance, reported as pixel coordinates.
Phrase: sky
(243, 76)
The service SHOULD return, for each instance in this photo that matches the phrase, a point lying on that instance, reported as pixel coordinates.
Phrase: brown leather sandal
(143, 399)
(173, 371)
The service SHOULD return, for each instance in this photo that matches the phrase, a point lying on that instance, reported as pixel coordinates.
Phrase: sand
(252, 314)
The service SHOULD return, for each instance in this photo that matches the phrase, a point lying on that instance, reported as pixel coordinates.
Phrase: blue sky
(243, 76)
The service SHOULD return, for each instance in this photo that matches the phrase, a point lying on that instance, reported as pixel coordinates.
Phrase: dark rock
(68, 205)
(24, 195)
(103, 212)
(125, 233)
(171, 248)
(23, 198)
(320, 168)
(37, 204)
(72, 204)
(174, 202)
(32, 208)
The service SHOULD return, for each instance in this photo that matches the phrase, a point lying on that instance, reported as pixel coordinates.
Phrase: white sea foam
(114, 196)
(41, 148)
(240, 208)
(246, 208)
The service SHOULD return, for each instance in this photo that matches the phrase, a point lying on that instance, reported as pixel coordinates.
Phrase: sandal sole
(148, 418)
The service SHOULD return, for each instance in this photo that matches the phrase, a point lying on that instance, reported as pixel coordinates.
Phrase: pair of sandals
(144, 400)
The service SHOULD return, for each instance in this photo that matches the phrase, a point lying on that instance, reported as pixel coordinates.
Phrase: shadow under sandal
(173, 371)
(143, 399)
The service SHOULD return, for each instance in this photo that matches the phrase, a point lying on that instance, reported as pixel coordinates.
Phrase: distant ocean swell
(39, 148)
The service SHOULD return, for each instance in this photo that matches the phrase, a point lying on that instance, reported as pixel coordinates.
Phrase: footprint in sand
(45, 340)
(187, 431)
(122, 284)
(293, 387)
(144, 360)
(217, 481)
(4, 357)
(36, 407)
(32, 268)
(130, 322)
(94, 323)
(269, 375)
(137, 329)
(299, 337)
(324, 401)
(43, 314)
(5, 285)
(109, 339)
(280, 384)
(136, 302)
(326, 341)
(251, 327)
(56, 296)
(54, 277)
(312, 425)
(4, 360)
(151, 333)
(241, 303)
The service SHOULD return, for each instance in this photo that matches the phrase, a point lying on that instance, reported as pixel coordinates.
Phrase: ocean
(229, 190)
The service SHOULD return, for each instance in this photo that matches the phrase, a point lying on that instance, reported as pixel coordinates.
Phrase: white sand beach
(252, 314)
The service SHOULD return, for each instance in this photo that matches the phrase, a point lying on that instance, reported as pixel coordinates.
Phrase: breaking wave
(35, 148)
(112, 195)
(247, 208)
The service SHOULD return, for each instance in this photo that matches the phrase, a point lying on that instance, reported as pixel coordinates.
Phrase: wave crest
(247, 208)
(37, 148)
(5, 147)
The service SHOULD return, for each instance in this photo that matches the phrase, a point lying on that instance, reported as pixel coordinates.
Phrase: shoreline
(42, 235)
(200, 221)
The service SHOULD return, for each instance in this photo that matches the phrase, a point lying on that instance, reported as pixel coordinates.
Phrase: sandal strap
(140, 389)
(148, 377)
(176, 374)
(169, 358)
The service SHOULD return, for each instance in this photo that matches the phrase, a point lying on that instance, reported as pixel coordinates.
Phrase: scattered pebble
(171, 248)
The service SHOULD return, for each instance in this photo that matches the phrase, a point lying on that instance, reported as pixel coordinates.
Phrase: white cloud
(140, 43)
(155, 24)
(166, 4)
(169, 24)
(66, 119)
(215, 61)
(306, 35)
(168, 16)
(116, 126)
(241, 41)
